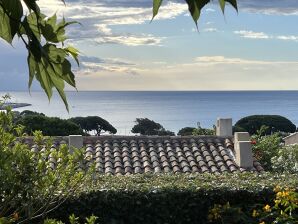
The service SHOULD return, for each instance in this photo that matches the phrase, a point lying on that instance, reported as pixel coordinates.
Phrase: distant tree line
(95, 125)
(54, 126)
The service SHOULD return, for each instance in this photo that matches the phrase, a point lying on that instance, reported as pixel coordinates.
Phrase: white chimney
(224, 127)
(243, 151)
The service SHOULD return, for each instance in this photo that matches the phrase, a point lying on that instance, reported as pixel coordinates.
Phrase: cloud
(98, 19)
(210, 30)
(202, 73)
(270, 7)
(291, 38)
(227, 60)
(95, 65)
(252, 35)
(261, 35)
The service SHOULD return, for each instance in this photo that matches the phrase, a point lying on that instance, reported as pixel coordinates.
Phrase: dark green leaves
(11, 12)
(195, 7)
(44, 39)
(156, 6)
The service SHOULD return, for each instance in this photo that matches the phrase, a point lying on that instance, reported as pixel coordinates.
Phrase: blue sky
(121, 50)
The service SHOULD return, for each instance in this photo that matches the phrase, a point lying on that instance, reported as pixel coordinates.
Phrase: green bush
(31, 185)
(286, 159)
(170, 198)
(265, 148)
(186, 131)
(275, 123)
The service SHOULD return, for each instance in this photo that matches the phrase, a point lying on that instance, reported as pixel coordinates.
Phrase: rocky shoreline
(14, 105)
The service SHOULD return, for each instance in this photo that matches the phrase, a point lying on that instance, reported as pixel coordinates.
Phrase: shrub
(144, 126)
(283, 209)
(274, 122)
(30, 185)
(170, 198)
(203, 131)
(186, 131)
(286, 159)
(265, 148)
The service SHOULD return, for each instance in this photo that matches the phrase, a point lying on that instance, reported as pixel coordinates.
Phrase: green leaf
(54, 32)
(5, 29)
(194, 10)
(222, 4)
(31, 24)
(67, 74)
(32, 68)
(11, 13)
(233, 3)
(74, 53)
(156, 6)
(43, 76)
(32, 5)
(54, 54)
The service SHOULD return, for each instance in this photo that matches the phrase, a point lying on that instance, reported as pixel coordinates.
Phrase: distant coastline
(14, 105)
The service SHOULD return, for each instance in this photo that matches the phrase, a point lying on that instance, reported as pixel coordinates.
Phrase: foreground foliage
(170, 198)
(44, 38)
(32, 183)
(286, 160)
(265, 148)
(282, 209)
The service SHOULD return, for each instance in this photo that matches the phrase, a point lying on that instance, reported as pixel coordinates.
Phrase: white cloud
(95, 65)
(130, 40)
(203, 73)
(99, 17)
(252, 35)
(209, 10)
(261, 35)
(270, 7)
(210, 30)
(291, 38)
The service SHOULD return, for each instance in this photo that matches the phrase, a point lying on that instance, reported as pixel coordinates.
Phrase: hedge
(169, 198)
(275, 123)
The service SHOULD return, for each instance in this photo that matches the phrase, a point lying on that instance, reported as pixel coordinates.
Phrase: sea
(173, 109)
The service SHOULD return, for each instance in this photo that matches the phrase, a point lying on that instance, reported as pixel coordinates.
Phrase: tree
(274, 123)
(44, 38)
(50, 126)
(29, 112)
(94, 123)
(144, 126)
(186, 131)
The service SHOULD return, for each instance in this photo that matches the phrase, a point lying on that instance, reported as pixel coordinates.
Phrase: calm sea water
(173, 110)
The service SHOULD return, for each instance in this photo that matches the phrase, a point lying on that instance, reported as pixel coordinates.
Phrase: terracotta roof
(124, 155)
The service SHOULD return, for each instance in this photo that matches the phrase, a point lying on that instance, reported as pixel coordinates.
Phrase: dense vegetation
(53, 126)
(172, 198)
(50, 126)
(34, 186)
(31, 184)
(144, 126)
(94, 123)
(275, 123)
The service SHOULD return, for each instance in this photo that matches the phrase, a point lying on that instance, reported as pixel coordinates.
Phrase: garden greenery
(32, 185)
(286, 160)
(282, 209)
(171, 198)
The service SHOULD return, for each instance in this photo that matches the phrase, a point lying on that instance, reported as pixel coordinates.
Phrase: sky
(254, 49)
